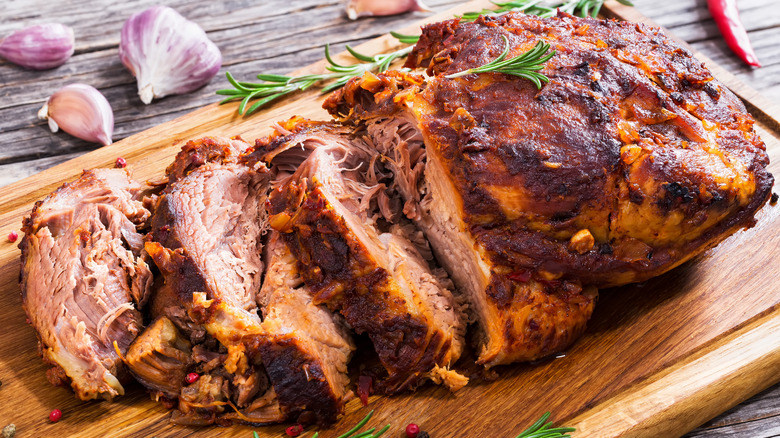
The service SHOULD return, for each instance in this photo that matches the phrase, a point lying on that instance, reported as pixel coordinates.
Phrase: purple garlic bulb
(368, 8)
(167, 53)
(39, 47)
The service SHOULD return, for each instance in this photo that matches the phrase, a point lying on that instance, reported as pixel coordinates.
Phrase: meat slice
(306, 348)
(326, 212)
(205, 239)
(81, 274)
(206, 232)
(630, 161)
(159, 358)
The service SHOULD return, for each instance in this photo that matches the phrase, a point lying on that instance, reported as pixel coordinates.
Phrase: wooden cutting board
(658, 359)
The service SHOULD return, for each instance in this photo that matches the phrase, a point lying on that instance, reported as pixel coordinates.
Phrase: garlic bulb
(367, 8)
(81, 111)
(39, 47)
(167, 53)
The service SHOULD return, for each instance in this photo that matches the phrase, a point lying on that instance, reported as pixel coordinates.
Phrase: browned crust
(196, 153)
(343, 275)
(605, 74)
(299, 380)
(182, 279)
(373, 96)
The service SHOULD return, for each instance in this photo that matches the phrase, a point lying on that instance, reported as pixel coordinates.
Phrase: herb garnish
(526, 66)
(540, 429)
(276, 86)
(540, 8)
(273, 87)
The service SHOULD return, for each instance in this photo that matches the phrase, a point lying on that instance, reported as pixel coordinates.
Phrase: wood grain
(684, 395)
(645, 358)
(267, 36)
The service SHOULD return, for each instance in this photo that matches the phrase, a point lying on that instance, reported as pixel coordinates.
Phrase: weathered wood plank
(690, 21)
(253, 39)
(758, 417)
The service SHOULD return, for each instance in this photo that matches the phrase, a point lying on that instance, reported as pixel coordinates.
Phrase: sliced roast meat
(306, 347)
(206, 242)
(206, 232)
(519, 317)
(327, 212)
(81, 274)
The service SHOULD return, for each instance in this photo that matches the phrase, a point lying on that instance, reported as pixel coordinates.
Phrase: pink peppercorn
(120, 162)
(12, 236)
(192, 378)
(294, 430)
(412, 430)
(55, 415)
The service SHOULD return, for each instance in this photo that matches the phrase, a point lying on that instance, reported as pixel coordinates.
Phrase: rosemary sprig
(276, 86)
(583, 8)
(526, 66)
(530, 7)
(541, 429)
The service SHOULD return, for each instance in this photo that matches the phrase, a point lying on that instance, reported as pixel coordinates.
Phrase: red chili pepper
(726, 16)
(55, 415)
(364, 388)
(294, 430)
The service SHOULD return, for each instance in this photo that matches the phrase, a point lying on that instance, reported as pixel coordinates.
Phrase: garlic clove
(367, 8)
(167, 53)
(39, 47)
(81, 111)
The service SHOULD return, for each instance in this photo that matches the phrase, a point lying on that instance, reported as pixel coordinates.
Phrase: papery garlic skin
(81, 111)
(39, 47)
(167, 53)
(368, 8)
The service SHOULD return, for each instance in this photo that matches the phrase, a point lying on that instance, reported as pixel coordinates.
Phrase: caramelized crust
(632, 140)
(375, 280)
(630, 161)
(306, 348)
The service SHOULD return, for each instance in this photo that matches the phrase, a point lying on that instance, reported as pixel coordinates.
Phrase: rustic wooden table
(275, 36)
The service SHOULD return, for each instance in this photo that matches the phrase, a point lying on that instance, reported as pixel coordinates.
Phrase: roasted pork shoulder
(327, 214)
(630, 161)
(82, 276)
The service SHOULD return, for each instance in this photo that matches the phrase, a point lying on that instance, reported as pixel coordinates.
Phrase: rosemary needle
(381, 431)
(540, 8)
(358, 426)
(526, 66)
(541, 429)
